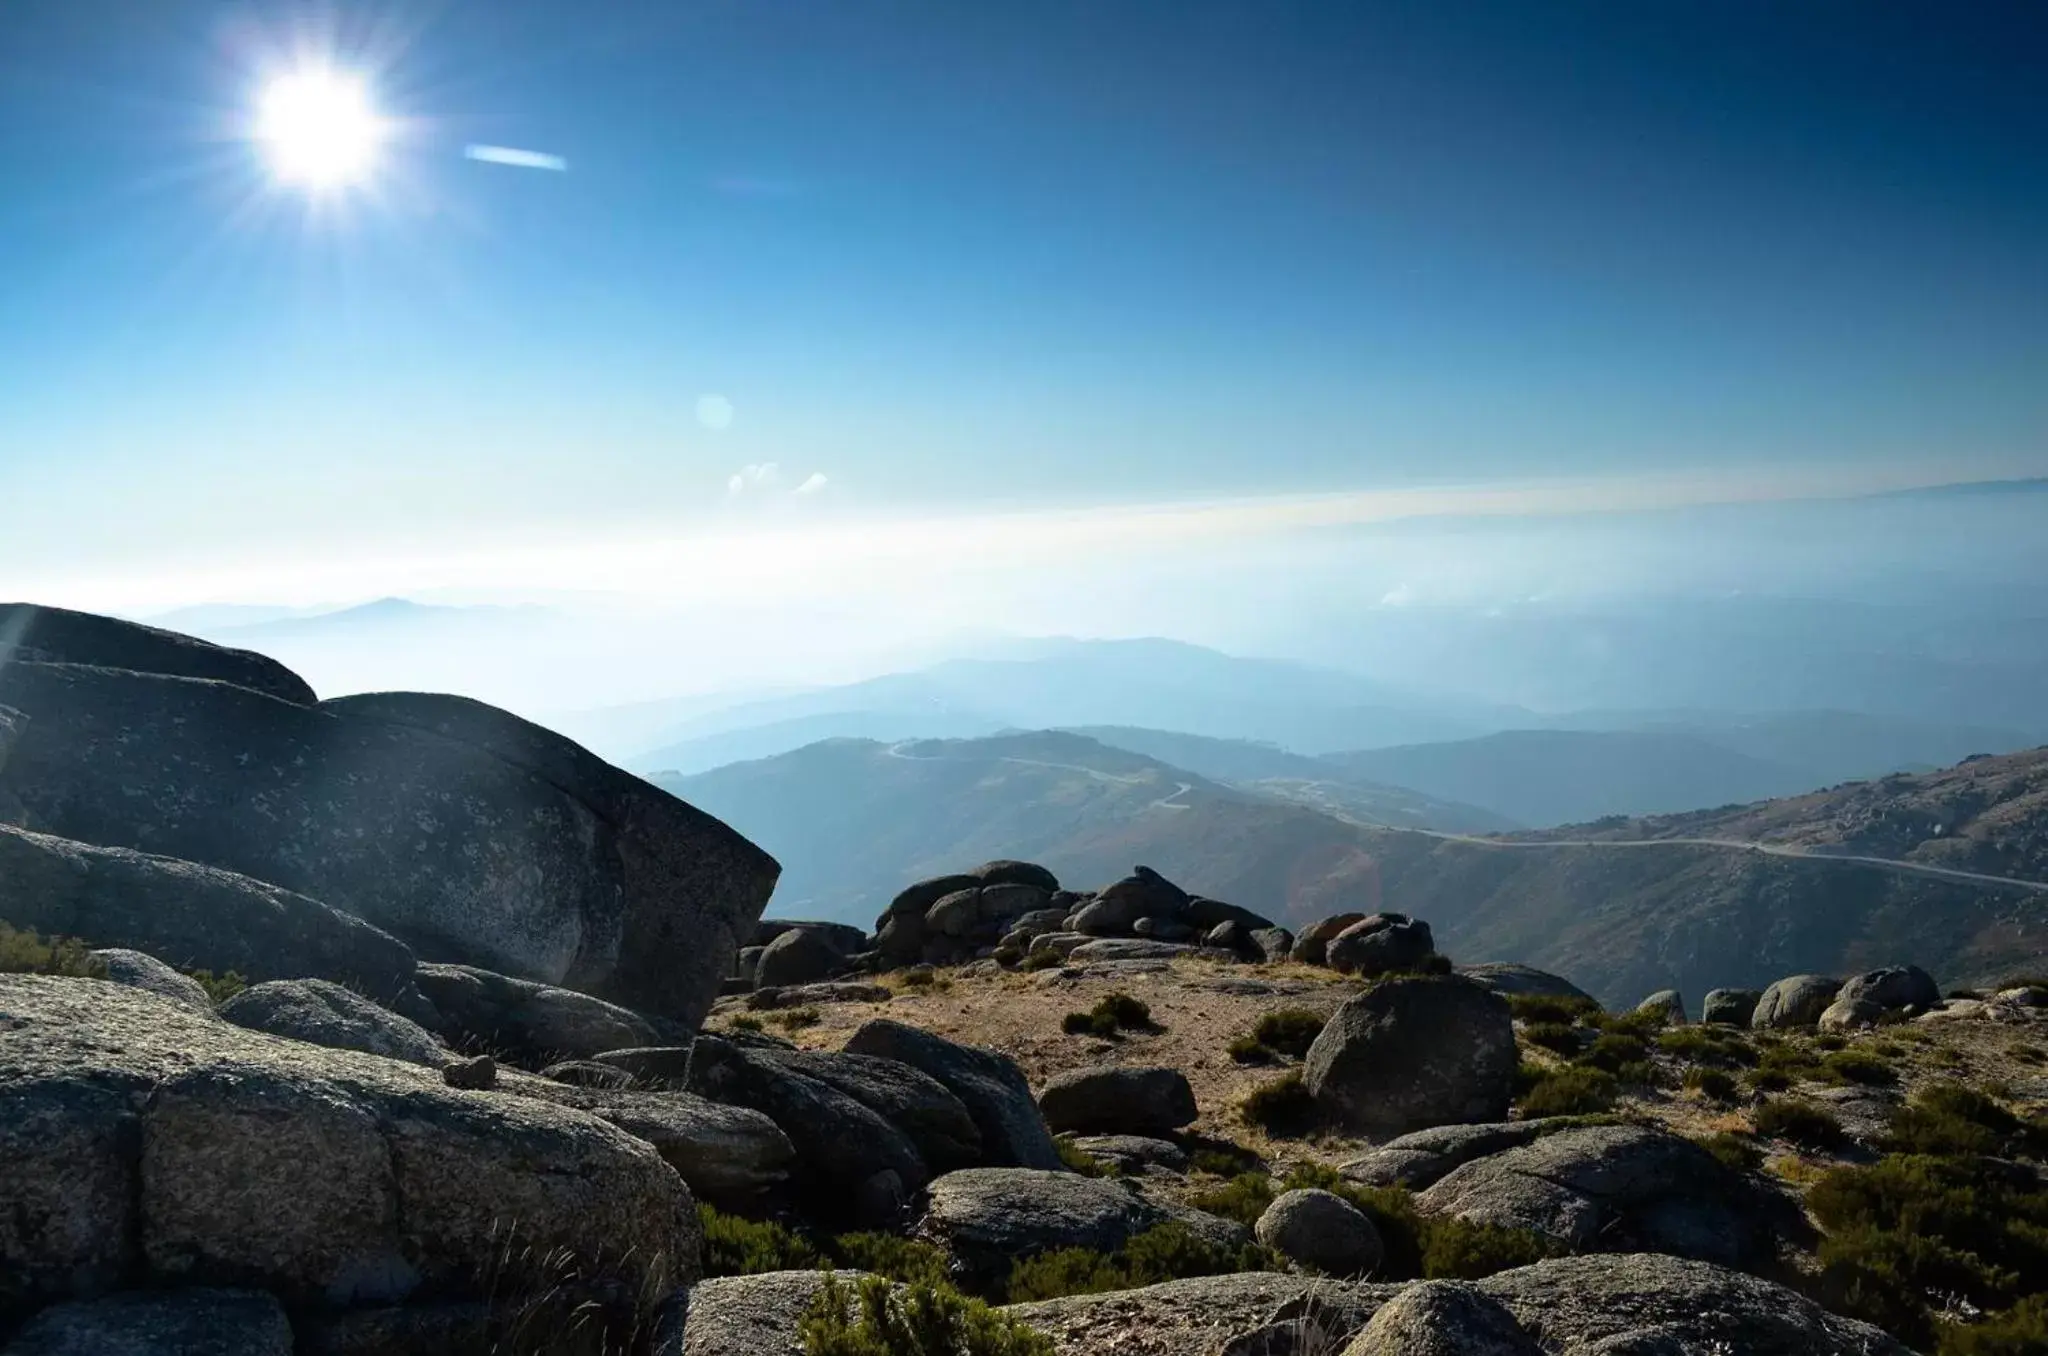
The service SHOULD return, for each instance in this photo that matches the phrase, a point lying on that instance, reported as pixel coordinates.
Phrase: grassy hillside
(853, 821)
(1986, 814)
(1625, 921)
(1560, 776)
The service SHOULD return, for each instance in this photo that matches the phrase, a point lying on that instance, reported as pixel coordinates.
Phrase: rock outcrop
(324, 1013)
(138, 970)
(196, 916)
(538, 1021)
(1322, 1231)
(986, 1219)
(143, 1145)
(990, 1085)
(1411, 1053)
(1617, 1188)
(1798, 1000)
(472, 834)
(1118, 1100)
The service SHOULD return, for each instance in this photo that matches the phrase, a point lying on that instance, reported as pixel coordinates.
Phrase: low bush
(1223, 1162)
(1113, 1015)
(1249, 1050)
(1243, 1198)
(2019, 1331)
(1613, 1050)
(1642, 1024)
(1007, 956)
(1716, 1047)
(744, 1022)
(873, 1318)
(1736, 1151)
(23, 952)
(1560, 1037)
(743, 1247)
(796, 1019)
(1796, 1122)
(1550, 1009)
(1716, 1085)
(1948, 1118)
(1568, 1092)
(1913, 1234)
(1282, 1107)
(1043, 960)
(1169, 1252)
(1290, 1031)
(220, 988)
(1857, 1066)
(1419, 1247)
(918, 977)
(1829, 1040)
(1080, 1160)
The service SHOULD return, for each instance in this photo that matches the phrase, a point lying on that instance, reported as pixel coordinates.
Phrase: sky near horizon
(778, 269)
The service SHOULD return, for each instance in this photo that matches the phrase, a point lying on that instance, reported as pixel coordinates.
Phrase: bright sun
(319, 129)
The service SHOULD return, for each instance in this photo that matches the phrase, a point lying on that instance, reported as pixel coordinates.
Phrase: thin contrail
(508, 155)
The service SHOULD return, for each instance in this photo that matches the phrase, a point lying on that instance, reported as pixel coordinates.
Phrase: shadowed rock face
(194, 915)
(31, 634)
(472, 834)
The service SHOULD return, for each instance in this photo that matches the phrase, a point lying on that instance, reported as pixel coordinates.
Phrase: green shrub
(1857, 1066)
(1435, 963)
(1419, 1247)
(1243, 1198)
(2020, 1331)
(1116, 1013)
(1948, 1118)
(918, 977)
(1828, 1040)
(1169, 1252)
(1282, 1107)
(1715, 1047)
(744, 1022)
(1913, 1232)
(22, 952)
(1613, 1050)
(873, 1318)
(1249, 1050)
(1768, 1080)
(1557, 1036)
(1568, 1092)
(1716, 1085)
(1737, 1151)
(1290, 1031)
(796, 1019)
(220, 988)
(1227, 1162)
(742, 1247)
(1007, 956)
(900, 1259)
(1043, 960)
(1640, 1024)
(1550, 1009)
(1797, 1122)
(745, 1247)
(1080, 1160)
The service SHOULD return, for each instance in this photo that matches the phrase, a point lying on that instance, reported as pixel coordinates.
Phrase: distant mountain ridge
(853, 821)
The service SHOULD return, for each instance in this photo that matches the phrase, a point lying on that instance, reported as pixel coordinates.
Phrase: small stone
(472, 1075)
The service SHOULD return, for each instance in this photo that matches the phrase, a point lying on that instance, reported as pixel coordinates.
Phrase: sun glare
(319, 129)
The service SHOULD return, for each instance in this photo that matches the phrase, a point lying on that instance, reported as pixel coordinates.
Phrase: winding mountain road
(2032, 887)
(1770, 849)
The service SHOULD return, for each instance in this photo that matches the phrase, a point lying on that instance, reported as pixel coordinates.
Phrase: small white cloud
(715, 412)
(756, 478)
(813, 483)
(512, 155)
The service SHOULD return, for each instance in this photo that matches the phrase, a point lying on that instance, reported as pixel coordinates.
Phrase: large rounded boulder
(1114, 1100)
(1412, 1053)
(1381, 944)
(1322, 1231)
(1797, 1000)
(474, 835)
(324, 1013)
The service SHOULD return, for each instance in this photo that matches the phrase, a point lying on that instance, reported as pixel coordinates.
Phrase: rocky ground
(395, 1025)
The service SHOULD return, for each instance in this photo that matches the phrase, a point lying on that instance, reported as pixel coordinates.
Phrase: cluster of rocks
(1016, 913)
(1874, 998)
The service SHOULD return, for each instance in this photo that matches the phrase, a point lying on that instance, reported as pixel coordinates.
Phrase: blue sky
(961, 259)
